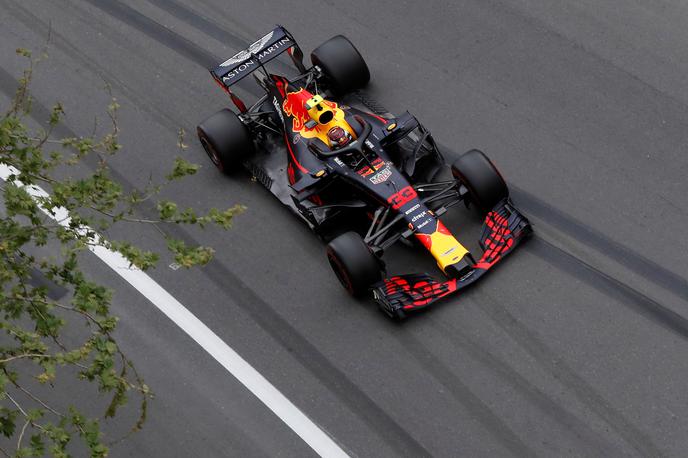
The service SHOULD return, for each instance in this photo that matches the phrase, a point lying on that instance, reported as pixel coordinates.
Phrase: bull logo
(294, 106)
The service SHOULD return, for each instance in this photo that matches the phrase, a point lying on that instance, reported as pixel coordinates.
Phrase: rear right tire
(225, 139)
(342, 64)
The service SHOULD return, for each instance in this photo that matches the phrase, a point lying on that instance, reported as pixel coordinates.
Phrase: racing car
(360, 177)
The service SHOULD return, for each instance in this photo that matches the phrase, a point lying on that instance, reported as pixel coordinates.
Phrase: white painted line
(316, 438)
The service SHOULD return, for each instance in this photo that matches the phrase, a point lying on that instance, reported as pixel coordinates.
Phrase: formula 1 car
(346, 166)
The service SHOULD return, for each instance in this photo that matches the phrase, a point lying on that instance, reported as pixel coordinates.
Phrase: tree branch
(25, 355)
(21, 435)
(16, 404)
(38, 400)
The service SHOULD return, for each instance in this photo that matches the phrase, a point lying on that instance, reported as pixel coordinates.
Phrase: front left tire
(486, 187)
(355, 265)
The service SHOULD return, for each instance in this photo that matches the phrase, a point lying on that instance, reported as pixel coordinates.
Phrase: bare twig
(21, 435)
(16, 404)
(38, 400)
(22, 356)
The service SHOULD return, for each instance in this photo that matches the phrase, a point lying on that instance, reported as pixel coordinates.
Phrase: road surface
(576, 346)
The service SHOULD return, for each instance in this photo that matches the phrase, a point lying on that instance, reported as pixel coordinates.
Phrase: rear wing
(257, 54)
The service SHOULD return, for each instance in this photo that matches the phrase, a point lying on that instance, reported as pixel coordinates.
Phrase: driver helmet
(338, 137)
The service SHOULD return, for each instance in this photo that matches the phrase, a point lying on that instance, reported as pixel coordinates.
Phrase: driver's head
(338, 137)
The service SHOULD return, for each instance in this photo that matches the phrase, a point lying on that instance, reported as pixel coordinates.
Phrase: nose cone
(453, 258)
(460, 268)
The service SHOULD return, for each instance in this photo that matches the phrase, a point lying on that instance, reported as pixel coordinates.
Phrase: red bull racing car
(339, 161)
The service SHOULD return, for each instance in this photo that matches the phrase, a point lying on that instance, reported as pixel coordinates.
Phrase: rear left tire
(225, 139)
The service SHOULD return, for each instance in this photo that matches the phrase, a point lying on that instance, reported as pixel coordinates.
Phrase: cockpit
(328, 119)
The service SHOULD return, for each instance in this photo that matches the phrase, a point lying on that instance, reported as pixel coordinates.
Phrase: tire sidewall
(225, 139)
(210, 150)
(484, 182)
(354, 264)
(342, 64)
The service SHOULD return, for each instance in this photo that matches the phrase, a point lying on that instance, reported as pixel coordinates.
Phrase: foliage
(43, 343)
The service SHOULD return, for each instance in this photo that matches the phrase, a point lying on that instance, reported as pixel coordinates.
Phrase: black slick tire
(485, 184)
(342, 64)
(225, 139)
(355, 265)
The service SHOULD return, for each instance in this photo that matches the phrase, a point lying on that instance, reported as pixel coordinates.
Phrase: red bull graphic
(294, 106)
(426, 239)
(443, 246)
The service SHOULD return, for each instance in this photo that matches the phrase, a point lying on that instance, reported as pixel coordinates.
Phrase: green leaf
(182, 168)
(167, 209)
(189, 256)
(56, 113)
(8, 420)
(37, 445)
(58, 342)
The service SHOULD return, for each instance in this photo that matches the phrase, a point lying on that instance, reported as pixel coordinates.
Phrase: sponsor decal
(412, 209)
(423, 224)
(246, 53)
(369, 144)
(297, 137)
(381, 176)
(245, 56)
(240, 69)
(365, 170)
(339, 162)
(276, 104)
(449, 251)
(402, 197)
(418, 216)
(467, 275)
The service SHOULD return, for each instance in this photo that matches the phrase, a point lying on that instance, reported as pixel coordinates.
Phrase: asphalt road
(576, 346)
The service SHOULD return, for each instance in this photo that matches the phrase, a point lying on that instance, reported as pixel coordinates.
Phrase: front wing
(503, 229)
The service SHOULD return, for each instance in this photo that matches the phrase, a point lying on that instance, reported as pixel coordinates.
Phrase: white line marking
(253, 380)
